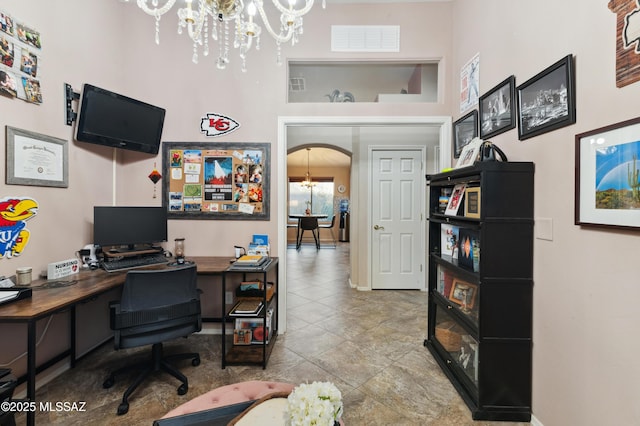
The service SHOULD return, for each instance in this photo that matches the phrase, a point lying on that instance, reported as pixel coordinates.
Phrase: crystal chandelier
(307, 182)
(225, 14)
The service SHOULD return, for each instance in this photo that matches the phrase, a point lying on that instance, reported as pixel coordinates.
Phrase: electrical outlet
(228, 297)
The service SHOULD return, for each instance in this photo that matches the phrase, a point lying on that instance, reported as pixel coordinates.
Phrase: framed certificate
(35, 159)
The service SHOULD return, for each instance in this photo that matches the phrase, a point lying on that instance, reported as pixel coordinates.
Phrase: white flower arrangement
(315, 404)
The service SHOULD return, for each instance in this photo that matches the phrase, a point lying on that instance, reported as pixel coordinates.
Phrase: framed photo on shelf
(607, 180)
(464, 130)
(547, 101)
(498, 109)
(456, 200)
(469, 153)
(472, 202)
(463, 293)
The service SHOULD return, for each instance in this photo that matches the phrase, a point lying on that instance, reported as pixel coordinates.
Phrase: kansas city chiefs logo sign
(216, 125)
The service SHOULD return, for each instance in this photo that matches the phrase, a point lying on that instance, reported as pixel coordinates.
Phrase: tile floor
(370, 344)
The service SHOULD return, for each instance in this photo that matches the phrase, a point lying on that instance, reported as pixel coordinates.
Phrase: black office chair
(329, 226)
(308, 224)
(156, 306)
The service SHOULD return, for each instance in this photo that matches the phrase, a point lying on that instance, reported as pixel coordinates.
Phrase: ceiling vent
(365, 38)
(296, 84)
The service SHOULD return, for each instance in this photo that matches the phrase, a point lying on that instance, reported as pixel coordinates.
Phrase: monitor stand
(132, 250)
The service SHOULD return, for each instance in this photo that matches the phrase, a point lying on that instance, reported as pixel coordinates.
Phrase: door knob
(376, 227)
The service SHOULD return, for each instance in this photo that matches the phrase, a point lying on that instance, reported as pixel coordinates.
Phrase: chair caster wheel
(183, 389)
(123, 408)
(108, 383)
(195, 362)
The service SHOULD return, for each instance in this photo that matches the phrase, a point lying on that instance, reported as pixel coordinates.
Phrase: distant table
(299, 217)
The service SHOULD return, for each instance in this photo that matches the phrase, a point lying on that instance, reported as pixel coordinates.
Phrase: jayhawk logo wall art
(14, 213)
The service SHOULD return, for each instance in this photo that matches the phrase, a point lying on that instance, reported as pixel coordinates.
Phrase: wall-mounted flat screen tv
(110, 119)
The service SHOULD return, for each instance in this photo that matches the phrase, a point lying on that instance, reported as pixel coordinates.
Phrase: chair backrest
(309, 223)
(157, 305)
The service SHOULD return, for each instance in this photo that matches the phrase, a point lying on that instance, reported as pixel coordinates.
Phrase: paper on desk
(8, 295)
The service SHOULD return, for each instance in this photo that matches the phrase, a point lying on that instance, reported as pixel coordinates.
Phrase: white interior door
(397, 229)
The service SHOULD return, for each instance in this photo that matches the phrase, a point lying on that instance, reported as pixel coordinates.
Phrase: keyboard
(134, 262)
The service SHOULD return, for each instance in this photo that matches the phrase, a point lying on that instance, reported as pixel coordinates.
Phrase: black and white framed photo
(547, 101)
(498, 109)
(464, 130)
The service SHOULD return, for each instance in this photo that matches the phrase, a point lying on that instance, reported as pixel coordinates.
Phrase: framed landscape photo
(464, 130)
(547, 101)
(498, 109)
(607, 182)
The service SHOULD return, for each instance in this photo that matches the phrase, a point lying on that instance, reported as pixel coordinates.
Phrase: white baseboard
(535, 421)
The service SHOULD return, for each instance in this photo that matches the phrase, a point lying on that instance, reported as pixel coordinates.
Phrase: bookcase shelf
(251, 352)
(480, 302)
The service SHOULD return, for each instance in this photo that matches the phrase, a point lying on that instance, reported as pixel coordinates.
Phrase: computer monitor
(133, 227)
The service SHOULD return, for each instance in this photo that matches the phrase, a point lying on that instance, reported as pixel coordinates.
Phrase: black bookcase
(481, 292)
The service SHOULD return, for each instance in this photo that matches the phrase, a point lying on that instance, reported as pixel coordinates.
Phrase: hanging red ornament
(155, 176)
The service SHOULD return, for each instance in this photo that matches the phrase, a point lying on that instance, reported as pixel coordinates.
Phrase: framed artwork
(463, 293)
(469, 153)
(464, 130)
(547, 101)
(213, 180)
(498, 109)
(469, 83)
(35, 159)
(627, 42)
(472, 202)
(607, 181)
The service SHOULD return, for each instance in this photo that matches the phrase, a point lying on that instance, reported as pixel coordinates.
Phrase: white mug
(239, 251)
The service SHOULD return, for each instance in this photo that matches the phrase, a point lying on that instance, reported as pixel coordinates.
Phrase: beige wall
(585, 368)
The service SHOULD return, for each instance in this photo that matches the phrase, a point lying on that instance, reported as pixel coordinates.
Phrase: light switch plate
(544, 228)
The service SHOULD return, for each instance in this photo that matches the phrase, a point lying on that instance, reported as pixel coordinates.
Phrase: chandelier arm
(199, 24)
(157, 11)
(279, 37)
(286, 10)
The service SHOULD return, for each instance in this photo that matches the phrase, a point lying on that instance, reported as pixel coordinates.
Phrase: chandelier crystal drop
(239, 17)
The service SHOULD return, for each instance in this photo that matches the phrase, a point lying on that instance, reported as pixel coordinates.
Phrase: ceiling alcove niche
(368, 81)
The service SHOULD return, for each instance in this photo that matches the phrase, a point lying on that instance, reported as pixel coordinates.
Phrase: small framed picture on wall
(464, 130)
(498, 109)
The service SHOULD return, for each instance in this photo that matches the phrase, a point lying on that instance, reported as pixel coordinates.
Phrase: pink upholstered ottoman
(230, 394)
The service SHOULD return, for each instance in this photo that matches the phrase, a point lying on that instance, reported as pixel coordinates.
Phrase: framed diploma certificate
(35, 159)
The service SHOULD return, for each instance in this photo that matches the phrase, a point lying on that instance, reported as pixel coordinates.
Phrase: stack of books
(250, 262)
(246, 308)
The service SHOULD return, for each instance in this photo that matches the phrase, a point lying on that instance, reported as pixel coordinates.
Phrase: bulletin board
(213, 180)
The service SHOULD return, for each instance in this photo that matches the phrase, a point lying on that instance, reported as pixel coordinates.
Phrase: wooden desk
(87, 285)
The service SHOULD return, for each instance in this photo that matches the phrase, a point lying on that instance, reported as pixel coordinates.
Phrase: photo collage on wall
(217, 181)
(20, 54)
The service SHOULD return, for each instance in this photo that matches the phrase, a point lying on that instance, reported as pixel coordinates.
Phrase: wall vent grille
(365, 38)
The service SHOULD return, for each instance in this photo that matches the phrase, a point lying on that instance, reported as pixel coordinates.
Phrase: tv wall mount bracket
(70, 96)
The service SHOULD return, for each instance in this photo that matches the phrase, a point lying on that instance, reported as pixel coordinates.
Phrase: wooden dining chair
(308, 224)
